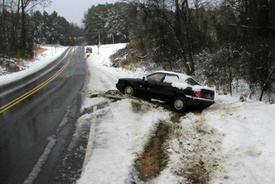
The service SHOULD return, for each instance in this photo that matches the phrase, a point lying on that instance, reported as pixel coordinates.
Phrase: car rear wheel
(180, 104)
(129, 90)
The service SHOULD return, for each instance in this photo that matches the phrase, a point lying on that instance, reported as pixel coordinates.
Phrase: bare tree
(26, 6)
(185, 25)
(14, 33)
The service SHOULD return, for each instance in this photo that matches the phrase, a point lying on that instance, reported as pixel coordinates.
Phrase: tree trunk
(183, 21)
(265, 84)
(23, 30)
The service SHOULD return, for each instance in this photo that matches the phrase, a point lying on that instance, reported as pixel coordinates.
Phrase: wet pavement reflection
(26, 127)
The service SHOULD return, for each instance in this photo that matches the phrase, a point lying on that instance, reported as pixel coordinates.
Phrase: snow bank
(119, 138)
(247, 144)
(31, 67)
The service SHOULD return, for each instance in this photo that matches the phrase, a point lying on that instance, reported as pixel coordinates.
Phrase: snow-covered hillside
(27, 67)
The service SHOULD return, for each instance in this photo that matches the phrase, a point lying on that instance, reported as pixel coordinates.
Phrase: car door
(142, 88)
(148, 85)
(167, 91)
(154, 85)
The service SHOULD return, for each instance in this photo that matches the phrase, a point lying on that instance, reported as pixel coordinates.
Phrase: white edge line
(37, 168)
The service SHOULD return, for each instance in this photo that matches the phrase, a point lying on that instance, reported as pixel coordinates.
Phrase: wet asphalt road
(43, 119)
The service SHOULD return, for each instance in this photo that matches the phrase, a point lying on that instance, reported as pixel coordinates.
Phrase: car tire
(129, 90)
(180, 103)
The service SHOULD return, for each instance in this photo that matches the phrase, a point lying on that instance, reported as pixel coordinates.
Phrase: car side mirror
(144, 79)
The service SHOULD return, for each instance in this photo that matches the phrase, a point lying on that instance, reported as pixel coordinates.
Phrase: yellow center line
(29, 93)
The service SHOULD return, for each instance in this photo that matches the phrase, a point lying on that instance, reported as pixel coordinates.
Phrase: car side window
(157, 77)
(171, 78)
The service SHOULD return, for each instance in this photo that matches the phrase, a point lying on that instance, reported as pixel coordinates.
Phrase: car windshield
(192, 82)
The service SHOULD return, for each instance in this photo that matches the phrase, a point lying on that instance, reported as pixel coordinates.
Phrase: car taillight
(201, 94)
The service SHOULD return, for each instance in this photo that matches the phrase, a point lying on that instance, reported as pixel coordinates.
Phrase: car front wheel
(129, 90)
(180, 104)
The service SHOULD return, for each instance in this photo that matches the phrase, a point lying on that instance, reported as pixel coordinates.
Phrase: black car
(175, 88)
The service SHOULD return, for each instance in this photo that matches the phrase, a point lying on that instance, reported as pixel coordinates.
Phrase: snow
(30, 67)
(236, 137)
(230, 141)
(248, 147)
(184, 85)
(118, 137)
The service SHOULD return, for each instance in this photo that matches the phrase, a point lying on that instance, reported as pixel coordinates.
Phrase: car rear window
(171, 78)
(192, 82)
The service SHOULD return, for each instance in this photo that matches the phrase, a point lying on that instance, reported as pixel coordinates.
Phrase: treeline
(232, 40)
(107, 23)
(21, 27)
(230, 44)
(54, 29)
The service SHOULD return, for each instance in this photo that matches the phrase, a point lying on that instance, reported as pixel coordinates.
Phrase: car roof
(182, 76)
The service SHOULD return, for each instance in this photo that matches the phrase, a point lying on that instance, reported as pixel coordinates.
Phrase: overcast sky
(73, 10)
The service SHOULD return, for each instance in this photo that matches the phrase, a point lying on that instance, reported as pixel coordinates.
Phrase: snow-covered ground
(229, 142)
(29, 67)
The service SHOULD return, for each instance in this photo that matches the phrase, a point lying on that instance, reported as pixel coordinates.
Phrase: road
(37, 119)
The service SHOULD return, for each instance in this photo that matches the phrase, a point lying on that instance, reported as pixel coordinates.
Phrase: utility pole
(113, 39)
(98, 43)
(52, 45)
